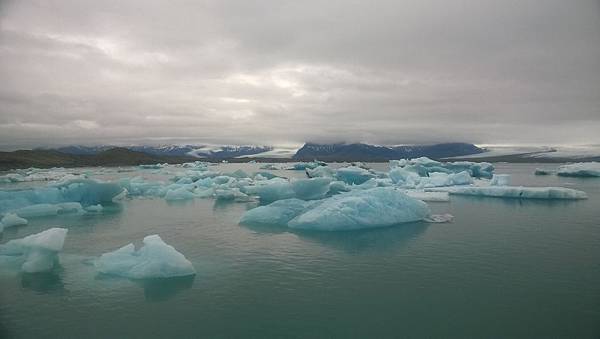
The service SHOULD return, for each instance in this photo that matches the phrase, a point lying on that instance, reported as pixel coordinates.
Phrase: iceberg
(320, 172)
(301, 166)
(311, 189)
(377, 207)
(581, 169)
(429, 196)
(517, 192)
(94, 209)
(180, 193)
(10, 220)
(539, 171)
(278, 213)
(38, 252)
(271, 190)
(38, 210)
(155, 259)
(353, 175)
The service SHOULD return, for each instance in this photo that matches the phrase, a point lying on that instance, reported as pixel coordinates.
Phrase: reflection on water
(161, 289)
(43, 282)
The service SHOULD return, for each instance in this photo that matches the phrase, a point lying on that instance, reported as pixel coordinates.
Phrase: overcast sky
(281, 72)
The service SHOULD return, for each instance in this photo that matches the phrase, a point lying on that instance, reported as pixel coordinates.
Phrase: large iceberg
(518, 192)
(582, 169)
(311, 189)
(272, 190)
(155, 259)
(38, 252)
(376, 207)
(424, 166)
(353, 175)
(84, 191)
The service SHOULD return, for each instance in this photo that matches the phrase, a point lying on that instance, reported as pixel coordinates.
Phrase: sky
(286, 72)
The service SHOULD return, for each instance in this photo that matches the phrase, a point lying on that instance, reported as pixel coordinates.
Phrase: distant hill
(365, 152)
(110, 157)
(197, 151)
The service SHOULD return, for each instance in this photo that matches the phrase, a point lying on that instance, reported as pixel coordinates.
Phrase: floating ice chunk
(518, 192)
(439, 218)
(353, 175)
(581, 169)
(377, 207)
(38, 210)
(278, 213)
(37, 251)
(539, 171)
(398, 163)
(429, 196)
(271, 190)
(155, 259)
(94, 209)
(181, 193)
(152, 166)
(69, 207)
(336, 187)
(269, 167)
(402, 176)
(231, 194)
(320, 172)
(12, 219)
(301, 166)
(461, 178)
(500, 180)
(311, 189)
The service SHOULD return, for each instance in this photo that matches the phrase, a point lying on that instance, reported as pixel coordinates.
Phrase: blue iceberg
(37, 252)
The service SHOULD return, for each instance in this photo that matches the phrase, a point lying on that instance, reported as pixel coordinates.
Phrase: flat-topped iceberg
(518, 192)
(582, 169)
(500, 180)
(376, 207)
(38, 252)
(155, 259)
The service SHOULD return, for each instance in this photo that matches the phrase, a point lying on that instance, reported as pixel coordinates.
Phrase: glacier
(37, 252)
(155, 259)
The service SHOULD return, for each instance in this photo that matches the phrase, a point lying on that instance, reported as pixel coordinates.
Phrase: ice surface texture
(376, 207)
(155, 259)
(518, 192)
(38, 252)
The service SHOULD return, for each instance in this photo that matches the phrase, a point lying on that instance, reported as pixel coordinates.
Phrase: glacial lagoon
(503, 267)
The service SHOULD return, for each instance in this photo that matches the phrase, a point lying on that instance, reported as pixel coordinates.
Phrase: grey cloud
(270, 72)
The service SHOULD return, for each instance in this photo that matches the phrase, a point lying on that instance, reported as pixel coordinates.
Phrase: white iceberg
(38, 252)
(377, 207)
(155, 259)
(500, 180)
(278, 213)
(429, 196)
(581, 169)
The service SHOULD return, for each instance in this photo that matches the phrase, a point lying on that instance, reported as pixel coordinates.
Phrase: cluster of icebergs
(328, 199)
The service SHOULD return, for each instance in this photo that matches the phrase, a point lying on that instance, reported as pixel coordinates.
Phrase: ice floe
(36, 252)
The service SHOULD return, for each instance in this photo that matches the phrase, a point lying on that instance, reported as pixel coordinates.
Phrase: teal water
(503, 268)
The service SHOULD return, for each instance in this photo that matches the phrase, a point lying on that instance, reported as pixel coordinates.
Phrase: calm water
(503, 268)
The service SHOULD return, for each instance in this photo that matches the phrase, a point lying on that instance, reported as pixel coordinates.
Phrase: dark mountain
(111, 157)
(365, 152)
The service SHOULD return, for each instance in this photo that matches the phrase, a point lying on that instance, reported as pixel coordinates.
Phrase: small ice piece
(429, 196)
(231, 194)
(69, 207)
(39, 252)
(377, 207)
(311, 189)
(278, 213)
(500, 180)
(518, 192)
(440, 218)
(581, 169)
(155, 259)
(12, 219)
(38, 210)
(539, 171)
(180, 193)
(94, 209)
(353, 175)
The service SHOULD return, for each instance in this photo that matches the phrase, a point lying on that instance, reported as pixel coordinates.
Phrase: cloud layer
(273, 72)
